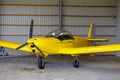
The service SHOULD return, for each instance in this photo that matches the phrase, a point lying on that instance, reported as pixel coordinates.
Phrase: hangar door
(15, 17)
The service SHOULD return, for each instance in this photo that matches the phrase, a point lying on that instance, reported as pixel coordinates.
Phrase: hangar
(74, 16)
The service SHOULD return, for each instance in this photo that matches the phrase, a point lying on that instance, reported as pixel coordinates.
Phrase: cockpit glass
(60, 34)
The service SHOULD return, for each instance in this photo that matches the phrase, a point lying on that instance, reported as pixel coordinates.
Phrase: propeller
(30, 35)
(31, 29)
(21, 46)
(42, 54)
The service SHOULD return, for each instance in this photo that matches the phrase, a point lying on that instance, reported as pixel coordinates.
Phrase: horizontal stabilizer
(97, 40)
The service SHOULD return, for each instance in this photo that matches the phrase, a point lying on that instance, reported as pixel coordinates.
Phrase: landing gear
(41, 63)
(76, 63)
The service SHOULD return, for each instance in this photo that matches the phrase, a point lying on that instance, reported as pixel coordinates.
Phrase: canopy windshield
(60, 34)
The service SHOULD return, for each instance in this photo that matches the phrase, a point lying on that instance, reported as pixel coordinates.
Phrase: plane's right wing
(90, 49)
(13, 45)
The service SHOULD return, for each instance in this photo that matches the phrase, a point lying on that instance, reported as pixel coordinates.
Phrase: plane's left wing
(90, 49)
(13, 45)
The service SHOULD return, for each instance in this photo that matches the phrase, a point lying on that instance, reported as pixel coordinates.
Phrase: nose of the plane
(30, 40)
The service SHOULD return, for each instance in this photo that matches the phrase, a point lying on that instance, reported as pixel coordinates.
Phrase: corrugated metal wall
(101, 12)
(15, 17)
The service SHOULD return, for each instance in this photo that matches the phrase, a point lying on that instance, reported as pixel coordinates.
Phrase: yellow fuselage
(50, 45)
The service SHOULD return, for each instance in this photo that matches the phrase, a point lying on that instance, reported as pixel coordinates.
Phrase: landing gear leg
(76, 63)
(41, 62)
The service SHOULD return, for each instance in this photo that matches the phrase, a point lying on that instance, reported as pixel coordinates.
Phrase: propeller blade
(31, 29)
(21, 46)
(30, 34)
(42, 54)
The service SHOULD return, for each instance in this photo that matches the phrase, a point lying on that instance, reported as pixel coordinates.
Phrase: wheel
(76, 63)
(41, 63)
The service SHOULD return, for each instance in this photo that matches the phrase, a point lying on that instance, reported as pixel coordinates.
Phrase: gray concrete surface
(60, 68)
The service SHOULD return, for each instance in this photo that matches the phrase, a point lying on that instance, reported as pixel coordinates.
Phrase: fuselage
(57, 40)
(52, 45)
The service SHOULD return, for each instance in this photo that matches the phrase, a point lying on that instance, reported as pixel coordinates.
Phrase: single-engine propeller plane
(60, 42)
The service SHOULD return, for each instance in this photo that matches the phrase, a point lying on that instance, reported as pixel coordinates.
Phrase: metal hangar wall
(15, 17)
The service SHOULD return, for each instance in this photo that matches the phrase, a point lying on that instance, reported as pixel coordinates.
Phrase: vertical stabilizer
(91, 35)
(90, 32)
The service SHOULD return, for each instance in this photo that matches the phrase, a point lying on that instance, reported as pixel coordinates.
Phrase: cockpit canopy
(60, 34)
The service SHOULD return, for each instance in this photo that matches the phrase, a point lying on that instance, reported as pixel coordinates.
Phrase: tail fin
(90, 33)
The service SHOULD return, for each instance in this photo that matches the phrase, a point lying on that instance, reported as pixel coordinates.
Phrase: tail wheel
(76, 63)
(41, 63)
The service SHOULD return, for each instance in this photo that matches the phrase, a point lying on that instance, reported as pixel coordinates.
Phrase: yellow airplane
(60, 42)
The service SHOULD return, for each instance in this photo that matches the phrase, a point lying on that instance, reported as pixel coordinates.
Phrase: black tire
(76, 63)
(41, 63)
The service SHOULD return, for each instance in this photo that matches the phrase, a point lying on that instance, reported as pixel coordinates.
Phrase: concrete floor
(60, 68)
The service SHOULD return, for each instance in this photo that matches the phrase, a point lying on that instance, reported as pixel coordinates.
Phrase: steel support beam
(60, 14)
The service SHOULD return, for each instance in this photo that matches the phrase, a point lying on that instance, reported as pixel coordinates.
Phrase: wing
(14, 45)
(91, 49)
